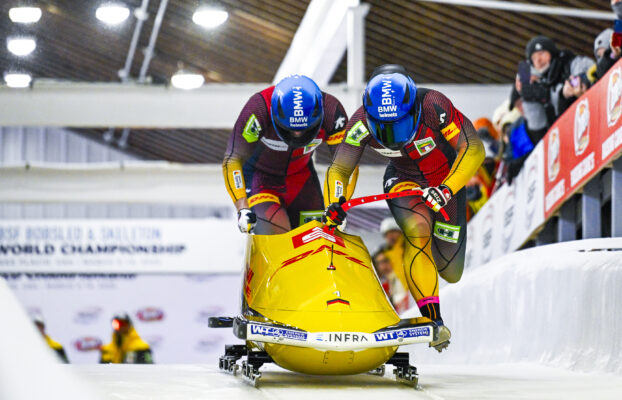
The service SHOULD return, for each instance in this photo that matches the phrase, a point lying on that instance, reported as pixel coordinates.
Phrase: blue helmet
(297, 110)
(392, 110)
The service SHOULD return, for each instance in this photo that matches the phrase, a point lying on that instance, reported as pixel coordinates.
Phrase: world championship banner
(121, 246)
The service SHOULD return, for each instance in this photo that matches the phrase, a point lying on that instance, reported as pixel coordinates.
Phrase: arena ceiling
(437, 43)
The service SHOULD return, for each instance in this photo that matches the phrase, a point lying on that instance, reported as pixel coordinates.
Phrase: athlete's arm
(241, 145)
(346, 159)
(461, 135)
(336, 121)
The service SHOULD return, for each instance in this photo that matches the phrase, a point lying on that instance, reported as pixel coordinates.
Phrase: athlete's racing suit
(445, 150)
(280, 182)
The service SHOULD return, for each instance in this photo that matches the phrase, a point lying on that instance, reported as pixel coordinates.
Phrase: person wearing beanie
(605, 52)
(554, 84)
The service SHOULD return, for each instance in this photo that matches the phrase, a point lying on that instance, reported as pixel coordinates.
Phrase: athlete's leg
(304, 193)
(263, 199)
(416, 221)
(272, 218)
(449, 241)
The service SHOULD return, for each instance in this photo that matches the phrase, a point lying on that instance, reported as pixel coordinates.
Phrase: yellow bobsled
(312, 303)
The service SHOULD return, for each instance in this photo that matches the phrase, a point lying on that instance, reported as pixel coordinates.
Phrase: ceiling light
(21, 46)
(187, 80)
(25, 15)
(112, 13)
(209, 17)
(17, 80)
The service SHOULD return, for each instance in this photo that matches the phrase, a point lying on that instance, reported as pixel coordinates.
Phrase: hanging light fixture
(25, 15)
(17, 79)
(209, 17)
(186, 80)
(112, 13)
(21, 46)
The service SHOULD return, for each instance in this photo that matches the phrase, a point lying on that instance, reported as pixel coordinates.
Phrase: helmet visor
(299, 138)
(394, 135)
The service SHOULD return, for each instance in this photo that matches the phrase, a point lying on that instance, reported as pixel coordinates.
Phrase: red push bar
(386, 196)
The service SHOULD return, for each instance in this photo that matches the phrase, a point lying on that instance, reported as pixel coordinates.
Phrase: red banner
(583, 140)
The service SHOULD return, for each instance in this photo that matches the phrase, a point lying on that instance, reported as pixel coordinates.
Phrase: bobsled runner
(312, 303)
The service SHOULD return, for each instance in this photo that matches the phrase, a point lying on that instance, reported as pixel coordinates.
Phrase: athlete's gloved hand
(246, 220)
(436, 197)
(334, 215)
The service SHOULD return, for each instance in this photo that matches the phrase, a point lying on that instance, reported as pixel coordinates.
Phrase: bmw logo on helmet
(297, 110)
(391, 108)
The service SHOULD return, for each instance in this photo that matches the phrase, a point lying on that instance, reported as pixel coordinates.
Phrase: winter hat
(388, 224)
(540, 43)
(602, 40)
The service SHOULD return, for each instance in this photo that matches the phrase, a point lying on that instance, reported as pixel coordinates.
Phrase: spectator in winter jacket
(54, 345)
(606, 54)
(555, 83)
(126, 346)
(390, 282)
(480, 187)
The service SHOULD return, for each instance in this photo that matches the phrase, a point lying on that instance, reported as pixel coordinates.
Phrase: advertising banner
(121, 246)
(169, 312)
(509, 218)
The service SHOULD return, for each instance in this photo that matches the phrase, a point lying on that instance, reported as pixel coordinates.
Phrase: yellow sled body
(313, 302)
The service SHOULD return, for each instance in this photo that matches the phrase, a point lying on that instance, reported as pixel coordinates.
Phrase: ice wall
(559, 305)
(28, 368)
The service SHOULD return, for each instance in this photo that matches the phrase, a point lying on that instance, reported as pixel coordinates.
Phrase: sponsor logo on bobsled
(87, 343)
(87, 315)
(341, 338)
(402, 334)
(272, 331)
(315, 234)
(150, 314)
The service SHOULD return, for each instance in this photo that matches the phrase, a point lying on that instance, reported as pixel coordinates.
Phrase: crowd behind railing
(547, 82)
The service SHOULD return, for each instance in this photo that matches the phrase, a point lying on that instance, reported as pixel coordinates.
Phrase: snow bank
(559, 305)
(28, 368)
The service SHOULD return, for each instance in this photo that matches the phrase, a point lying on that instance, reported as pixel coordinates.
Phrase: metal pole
(530, 8)
(567, 224)
(141, 16)
(616, 198)
(355, 44)
(152, 40)
(591, 209)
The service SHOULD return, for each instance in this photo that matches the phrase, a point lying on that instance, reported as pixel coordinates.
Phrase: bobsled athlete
(430, 145)
(268, 169)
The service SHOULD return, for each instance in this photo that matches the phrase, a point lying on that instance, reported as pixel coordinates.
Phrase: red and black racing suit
(445, 150)
(280, 182)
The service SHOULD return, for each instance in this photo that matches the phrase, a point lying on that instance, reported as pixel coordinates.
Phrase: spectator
(126, 346)
(606, 54)
(390, 282)
(480, 187)
(54, 345)
(558, 77)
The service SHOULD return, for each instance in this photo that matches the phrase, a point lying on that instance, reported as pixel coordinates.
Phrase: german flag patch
(337, 301)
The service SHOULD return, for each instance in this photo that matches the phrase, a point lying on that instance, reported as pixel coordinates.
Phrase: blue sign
(402, 333)
(278, 332)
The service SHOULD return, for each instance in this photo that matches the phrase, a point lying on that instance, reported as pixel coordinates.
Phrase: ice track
(504, 381)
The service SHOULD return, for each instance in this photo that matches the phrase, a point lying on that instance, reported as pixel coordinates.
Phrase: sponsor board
(87, 343)
(87, 315)
(150, 314)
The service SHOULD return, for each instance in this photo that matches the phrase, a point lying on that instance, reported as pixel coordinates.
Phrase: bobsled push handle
(386, 196)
